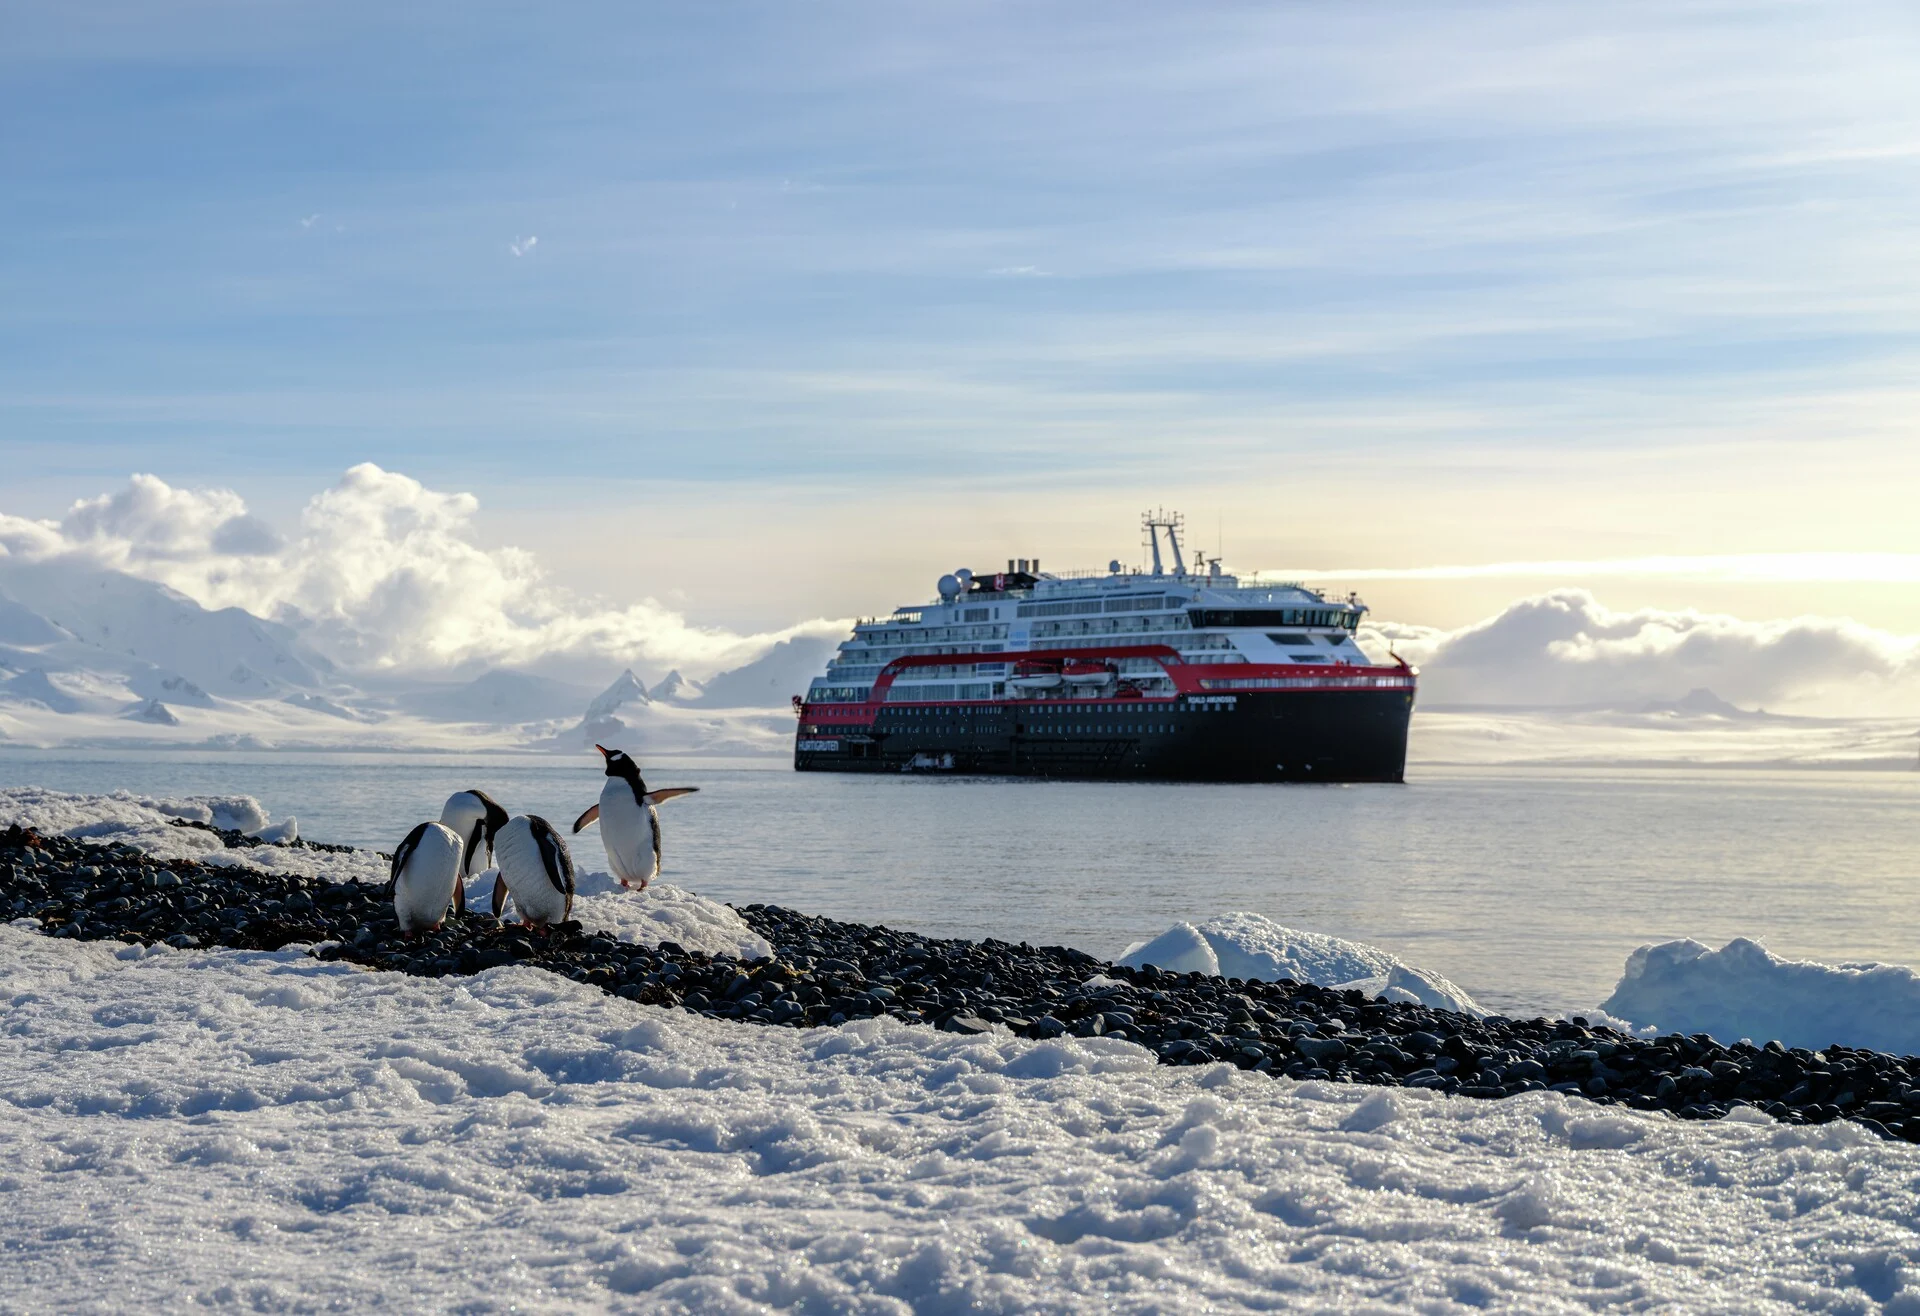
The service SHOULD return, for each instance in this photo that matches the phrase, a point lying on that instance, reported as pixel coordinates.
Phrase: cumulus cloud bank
(1566, 647)
(381, 573)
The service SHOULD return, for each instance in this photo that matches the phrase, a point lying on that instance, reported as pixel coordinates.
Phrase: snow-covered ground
(301, 724)
(263, 1131)
(266, 1131)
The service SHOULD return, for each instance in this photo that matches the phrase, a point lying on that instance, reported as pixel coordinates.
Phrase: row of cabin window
(1042, 710)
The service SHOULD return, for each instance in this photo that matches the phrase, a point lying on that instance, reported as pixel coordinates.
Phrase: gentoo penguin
(629, 825)
(536, 868)
(476, 820)
(426, 878)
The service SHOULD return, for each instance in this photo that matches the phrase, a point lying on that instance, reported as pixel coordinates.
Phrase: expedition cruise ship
(1147, 674)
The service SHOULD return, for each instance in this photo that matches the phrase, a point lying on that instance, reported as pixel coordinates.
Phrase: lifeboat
(1035, 678)
(1087, 674)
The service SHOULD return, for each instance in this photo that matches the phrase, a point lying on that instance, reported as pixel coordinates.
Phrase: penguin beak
(671, 793)
(605, 753)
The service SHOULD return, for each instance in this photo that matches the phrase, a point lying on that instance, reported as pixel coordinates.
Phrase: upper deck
(1144, 627)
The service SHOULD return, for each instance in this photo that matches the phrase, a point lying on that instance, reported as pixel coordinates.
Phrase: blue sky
(1364, 284)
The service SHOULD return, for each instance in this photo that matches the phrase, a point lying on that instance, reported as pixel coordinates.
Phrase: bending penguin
(425, 878)
(629, 824)
(536, 869)
(476, 820)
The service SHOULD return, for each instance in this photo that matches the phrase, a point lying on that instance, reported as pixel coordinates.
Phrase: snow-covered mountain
(772, 679)
(674, 688)
(91, 656)
(68, 616)
(626, 689)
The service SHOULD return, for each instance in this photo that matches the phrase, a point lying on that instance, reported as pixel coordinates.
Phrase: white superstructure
(1208, 616)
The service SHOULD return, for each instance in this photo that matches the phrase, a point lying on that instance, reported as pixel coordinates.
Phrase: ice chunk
(1180, 949)
(1744, 990)
(284, 832)
(1246, 945)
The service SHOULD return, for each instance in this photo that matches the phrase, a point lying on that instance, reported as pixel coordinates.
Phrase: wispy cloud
(1741, 568)
(1289, 233)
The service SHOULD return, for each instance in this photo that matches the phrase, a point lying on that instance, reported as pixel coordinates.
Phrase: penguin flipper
(499, 895)
(587, 819)
(554, 858)
(402, 853)
(653, 821)
(671, 793)
(460, 895)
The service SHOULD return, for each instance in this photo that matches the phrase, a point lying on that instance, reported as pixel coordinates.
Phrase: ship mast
(1173, 523)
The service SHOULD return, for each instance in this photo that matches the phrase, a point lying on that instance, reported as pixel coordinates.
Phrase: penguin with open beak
(476, 820)
(535, 869)
(629, 821)
(425, 878)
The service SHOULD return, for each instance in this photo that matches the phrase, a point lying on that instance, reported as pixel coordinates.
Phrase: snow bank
(139, 820)
(189, 1129)
(1744, 990)
(1244, 945)
(664, 912)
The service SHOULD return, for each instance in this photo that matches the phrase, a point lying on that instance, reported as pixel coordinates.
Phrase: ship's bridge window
(1285, 639)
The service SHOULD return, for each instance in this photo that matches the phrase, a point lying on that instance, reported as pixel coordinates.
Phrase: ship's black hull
(1293, 735)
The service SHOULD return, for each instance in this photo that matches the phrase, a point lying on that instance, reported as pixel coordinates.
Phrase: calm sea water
(1528, 888)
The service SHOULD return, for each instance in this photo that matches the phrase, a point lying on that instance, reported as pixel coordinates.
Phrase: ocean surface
(1529, 888)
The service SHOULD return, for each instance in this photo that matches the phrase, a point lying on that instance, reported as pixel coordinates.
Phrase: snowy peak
(1698, 702)
(675, 689)
(153, 711)
(625, 690)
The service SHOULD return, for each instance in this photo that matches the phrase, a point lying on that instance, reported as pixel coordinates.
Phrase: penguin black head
(621, 764)
(496, 816)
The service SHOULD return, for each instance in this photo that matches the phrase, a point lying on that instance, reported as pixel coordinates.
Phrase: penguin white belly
(467, 816)
(423, 885)
(628, 829)
(524, 869)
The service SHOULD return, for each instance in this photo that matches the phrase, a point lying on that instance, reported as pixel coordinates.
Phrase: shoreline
(826, 972)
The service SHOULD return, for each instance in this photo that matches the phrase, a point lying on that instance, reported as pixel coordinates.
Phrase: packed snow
(1246, 945)
(660, 913)
(1744, 990)
(268, 1131)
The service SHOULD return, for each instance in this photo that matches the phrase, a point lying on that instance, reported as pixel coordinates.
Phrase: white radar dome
(964, 575)
(949, 587)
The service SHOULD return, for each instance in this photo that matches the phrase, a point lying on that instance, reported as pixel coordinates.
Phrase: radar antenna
(1173, 523)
